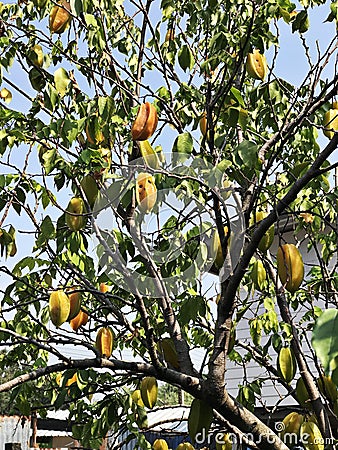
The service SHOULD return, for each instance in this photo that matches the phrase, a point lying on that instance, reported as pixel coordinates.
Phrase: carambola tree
(151, 154)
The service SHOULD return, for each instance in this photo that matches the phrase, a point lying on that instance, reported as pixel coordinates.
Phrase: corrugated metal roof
(14, 429)
(167, 422)
(173, 419)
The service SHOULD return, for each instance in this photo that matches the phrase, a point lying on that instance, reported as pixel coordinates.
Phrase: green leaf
(183, 145)
(301, 22)
(237, 95)
(61, 80)
(37, 80)
(185, 58)
(248, 152)
(325, 337)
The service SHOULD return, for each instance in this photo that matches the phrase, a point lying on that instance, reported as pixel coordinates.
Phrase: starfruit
(217, 248)
(327, 388)
(104, 288)
(59, 307)
(75, 218)
(79, 320)
(302, 394)
(203, 124)
(149, 155)
(36, 55)
(59, 18)
(290, 267)
(258, 275)
(104, 341)
(200, 418)
(224, 443)
(6, 95)
(227, 188)
(287, 364)
(185, 446)
(170, 35)
(90, 189)
(256, 65)
(292, 423)
(145, 123)
(267, 239)
(59, 379)
(136, 397)
(149, 391)
(146, 192)
(330, 122)
(167, 347)
(75, 302)
(93, 130)
(311, 436)
(160, 444)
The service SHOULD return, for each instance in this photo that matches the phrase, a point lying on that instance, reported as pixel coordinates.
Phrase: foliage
(71, 218)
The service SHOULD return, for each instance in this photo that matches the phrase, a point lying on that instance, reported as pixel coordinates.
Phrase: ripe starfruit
(59, 379)
(170, 35)
(75, 302)
(59, 18)
(185, 446)
(146, 192)
(75, 218)
(287, 364)
(203, 124)
(80, 320)
(149, 391)
(59, 307)
(292, 423)
(330, 122)
(104, 341)
(311, 436)
(160, 444)
(145, 123)
(290, 267)
(256, 65)
(104, 288)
